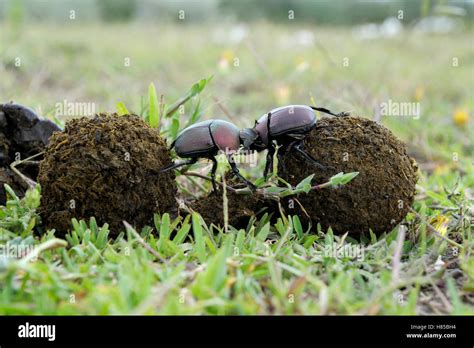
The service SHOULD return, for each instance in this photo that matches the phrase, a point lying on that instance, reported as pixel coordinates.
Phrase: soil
(9, 178)
(106, 167)
(240, 207)
(377, 199)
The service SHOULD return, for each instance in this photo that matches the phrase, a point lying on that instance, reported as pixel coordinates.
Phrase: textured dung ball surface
(240, 208)
(7, 176)
(105, 167)
(377, 199)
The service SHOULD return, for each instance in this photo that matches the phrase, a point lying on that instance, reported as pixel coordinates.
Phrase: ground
(184, 266)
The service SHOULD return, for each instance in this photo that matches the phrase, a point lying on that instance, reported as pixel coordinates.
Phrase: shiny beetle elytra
(205, 140)
(287, 126)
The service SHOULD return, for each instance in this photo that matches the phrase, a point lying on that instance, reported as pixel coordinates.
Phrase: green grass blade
(199, 246)
(153, 107)
(122, 109)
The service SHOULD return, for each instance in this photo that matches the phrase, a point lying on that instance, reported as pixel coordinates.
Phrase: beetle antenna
(327, 111)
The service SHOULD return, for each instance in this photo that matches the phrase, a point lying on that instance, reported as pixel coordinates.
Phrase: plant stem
(260, 191)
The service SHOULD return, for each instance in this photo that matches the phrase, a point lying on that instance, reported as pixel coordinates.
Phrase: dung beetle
(288, 126)
(205, 140)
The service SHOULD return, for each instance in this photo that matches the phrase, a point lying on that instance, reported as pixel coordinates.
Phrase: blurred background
(347, 55)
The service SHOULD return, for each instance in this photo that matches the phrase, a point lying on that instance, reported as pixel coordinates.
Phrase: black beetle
(204, 140)
(288, 126)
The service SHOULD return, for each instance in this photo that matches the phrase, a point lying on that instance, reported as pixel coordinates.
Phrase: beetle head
(248, 137)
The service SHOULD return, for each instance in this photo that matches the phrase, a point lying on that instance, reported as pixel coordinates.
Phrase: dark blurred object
(22, 134)
(333, 12)
(19, 115)
(117, 10)
(317, 12)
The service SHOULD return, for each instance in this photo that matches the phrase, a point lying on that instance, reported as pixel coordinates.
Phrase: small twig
(442, 296)
(321, 186)
(30, 182)
(143, 243)
(223, 108)
(225, 204)
(282, 240)
(303, 209)
(162, 109)
(197, 175)
(260, 191)
(398, 254)
(50, 244)
(182, 205)
(444, 209)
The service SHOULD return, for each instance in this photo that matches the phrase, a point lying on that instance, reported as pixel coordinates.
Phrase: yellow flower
(225, 59)
(419, 93)
(460, 117)
(227, 55)
(440, 224)
(441, 169)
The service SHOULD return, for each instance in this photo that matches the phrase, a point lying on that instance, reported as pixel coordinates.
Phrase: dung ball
(105, 167)
(377, 199)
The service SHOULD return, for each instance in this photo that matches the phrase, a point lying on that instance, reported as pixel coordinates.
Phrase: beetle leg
(281, 162)
(271, 148)
(235, 170)
(307, 156)
(213, 173)
(269, 117)
(327, 111)
(178, 164)
(269, 162)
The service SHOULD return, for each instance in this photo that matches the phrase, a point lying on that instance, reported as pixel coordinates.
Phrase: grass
(184, 266)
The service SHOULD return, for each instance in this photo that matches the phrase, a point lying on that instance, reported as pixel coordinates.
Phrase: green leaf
(305, 184)
(183, 231)
(263, 233)
(213, 279)
(153, 107)
(199, 246)
(297, 225)
(196, 114)
(165, 227)
(174, 128)
(197, 88)
(122, 109)
(440, 198)
(11, 193)
(342, 179)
